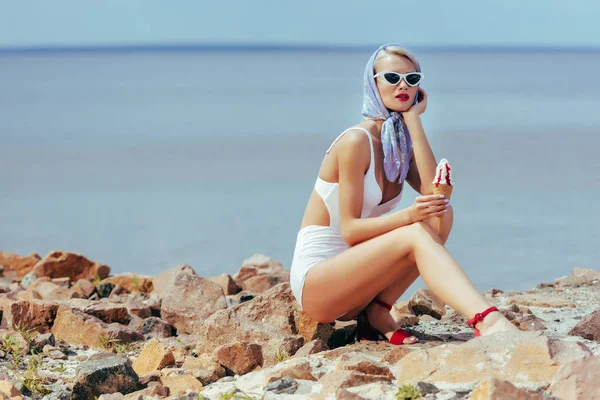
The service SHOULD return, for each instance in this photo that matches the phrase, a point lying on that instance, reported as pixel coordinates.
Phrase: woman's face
(394, 97)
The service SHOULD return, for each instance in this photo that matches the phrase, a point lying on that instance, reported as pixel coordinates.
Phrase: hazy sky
(25, 23)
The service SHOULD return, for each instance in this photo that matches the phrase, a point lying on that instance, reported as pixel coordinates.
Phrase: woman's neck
(379, 124)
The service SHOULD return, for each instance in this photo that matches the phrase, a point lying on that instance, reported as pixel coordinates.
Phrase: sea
(147, 159)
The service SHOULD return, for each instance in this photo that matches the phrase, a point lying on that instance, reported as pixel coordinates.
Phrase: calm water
(145, 161)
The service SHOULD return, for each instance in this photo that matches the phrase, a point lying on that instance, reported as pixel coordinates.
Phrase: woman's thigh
(355, 276)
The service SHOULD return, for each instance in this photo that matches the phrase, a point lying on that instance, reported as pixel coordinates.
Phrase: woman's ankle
(495, 322)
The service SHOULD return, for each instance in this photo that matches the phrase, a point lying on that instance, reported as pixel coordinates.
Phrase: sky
(66, 23)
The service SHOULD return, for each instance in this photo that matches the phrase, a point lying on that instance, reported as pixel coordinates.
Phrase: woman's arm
(353, 158)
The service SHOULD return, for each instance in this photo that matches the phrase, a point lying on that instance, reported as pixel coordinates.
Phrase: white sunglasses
(394, 78)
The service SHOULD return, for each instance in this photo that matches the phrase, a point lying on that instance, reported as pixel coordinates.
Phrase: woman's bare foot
(495, 322)
(381, 319)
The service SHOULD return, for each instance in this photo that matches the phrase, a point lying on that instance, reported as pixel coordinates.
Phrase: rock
(151, 392)
(334, 380)
(116, 292)
(259, 273)
(588, 327)
(282, 386)
(78, 328)
(312, 347)
(9, 388)
(538, 300)
(132, 283)
(108, 312)
(28, 279)
(394, 355)
(153, 357)
(18, 342)
(107, 375)
(16, 266)
(494, 292)
(272, 319)
(427, 388)
(5, 284)
(577, 379)
(28, 313)
(137, 307)
(425, 302)
(227, 284)
(203, 368)
(579, 276)
(404, 319)
(59, 264)
(359, 362)
(190, 300)
(492, 389)
(180, 384)
(27, 295)
(345, 394)
(156, 327)
(294, 369)
(163, 280)
(41, 340)
(103, 290)
(240, 358)
(84, 287)
(500, 355)
(531, 323)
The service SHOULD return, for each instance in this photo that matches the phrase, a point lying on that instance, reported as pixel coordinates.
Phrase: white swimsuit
(316, 243)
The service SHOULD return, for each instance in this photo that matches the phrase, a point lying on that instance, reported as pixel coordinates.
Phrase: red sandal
(365, 331)
(478, 318)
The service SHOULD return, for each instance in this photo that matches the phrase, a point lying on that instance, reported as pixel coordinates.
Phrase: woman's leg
(353, 278)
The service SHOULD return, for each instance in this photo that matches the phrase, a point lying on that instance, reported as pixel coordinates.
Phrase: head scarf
(395, 137)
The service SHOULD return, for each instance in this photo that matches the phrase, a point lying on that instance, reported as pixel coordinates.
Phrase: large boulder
(163, 280)
(16, 266)
(588, 327)
(259, 273)
(60, 264)
(189, 300)
(106, 375)
(132, 283)
(36, 314)
(523, 358)
(272, 319)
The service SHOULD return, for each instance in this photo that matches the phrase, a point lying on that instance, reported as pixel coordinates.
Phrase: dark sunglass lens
(413, 79)
(392, 78)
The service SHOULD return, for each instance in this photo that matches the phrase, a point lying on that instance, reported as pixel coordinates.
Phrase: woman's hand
(417, 109)
(426, 207)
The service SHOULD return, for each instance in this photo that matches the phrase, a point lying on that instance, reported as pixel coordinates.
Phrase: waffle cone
(446, 190)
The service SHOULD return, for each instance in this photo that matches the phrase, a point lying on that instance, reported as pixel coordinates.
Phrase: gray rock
(28, 279)
(284, 385)
(104, 376)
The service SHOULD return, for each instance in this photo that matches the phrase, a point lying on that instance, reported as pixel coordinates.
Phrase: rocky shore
(71, 330)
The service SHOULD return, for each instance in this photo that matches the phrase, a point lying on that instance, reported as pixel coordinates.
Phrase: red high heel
(478, 318)
(365, 331)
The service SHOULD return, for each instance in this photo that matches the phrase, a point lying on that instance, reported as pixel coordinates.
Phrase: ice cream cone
(442, 185)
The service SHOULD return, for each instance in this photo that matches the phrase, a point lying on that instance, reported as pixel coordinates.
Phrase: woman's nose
(403, 83)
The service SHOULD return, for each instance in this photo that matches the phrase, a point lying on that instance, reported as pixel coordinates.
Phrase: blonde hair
(397, 51)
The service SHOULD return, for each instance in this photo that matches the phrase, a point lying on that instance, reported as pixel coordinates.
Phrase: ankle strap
(480, 316)
(382, 303)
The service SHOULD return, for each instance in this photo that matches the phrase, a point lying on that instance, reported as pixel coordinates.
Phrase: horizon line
(278, 47)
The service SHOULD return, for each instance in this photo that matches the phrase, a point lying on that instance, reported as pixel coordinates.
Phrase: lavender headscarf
(395, 137)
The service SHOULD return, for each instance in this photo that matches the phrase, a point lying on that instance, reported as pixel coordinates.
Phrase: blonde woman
(350, 260)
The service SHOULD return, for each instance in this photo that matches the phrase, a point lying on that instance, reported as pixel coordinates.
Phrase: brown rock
(493, 389)
(204, 368)
(132, 283)
(259, 273)
(404, 319)
(156, 327)
(84, 287)
(531, 323)
(295, 369)
(190, 300)
(425, 302)
(580, 276)
(7, 387)
(108, 312)
(344, 394)
(538, 300)
(163, 280)
(577, 379)
(588, 327)
(152, 391)
(28, 295)
(180, 384)
(501, 355)
(139, 308)
(272, 319)
(227, 284)
(361, 363)
(36, 314)
(16, 266)
(334, 380)
(153, 357)
(312, 347)
(58, 264)
(51, 291)
(78, 328)
(105, 375)
(240, 358)
(17, 338)
(394, 355)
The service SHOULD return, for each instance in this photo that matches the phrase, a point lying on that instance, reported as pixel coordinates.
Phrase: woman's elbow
(348, 236)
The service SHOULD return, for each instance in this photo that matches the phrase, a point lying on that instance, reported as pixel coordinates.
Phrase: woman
(350, 260)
